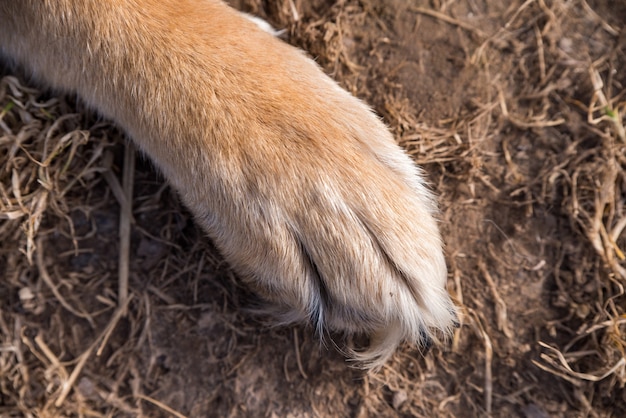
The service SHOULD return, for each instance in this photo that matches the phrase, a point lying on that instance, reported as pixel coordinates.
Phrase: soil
(492, 100)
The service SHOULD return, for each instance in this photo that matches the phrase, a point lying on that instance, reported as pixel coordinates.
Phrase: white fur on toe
(264, 25)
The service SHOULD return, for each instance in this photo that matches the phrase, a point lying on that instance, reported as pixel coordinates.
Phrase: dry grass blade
(563, 368)
(162, 406)
(67, 383)
(488, 346)
(607, 109)
(479, 53)
(501, 315)
(536, 122)
(445, 18)
(126, 214)
(297, 350)
(43, 272)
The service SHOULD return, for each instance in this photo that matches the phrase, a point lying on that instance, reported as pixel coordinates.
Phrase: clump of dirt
(514, 110)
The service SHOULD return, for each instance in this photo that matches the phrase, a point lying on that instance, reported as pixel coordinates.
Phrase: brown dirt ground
(513, 110)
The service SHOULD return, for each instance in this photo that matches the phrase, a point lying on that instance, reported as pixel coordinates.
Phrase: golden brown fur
(298, 183)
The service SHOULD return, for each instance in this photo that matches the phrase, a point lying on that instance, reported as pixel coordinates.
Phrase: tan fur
(299, 184)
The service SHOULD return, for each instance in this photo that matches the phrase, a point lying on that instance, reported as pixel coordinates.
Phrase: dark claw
(427, 343)
(455, 322)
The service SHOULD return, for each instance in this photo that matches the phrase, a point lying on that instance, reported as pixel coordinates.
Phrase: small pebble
(399, 398)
